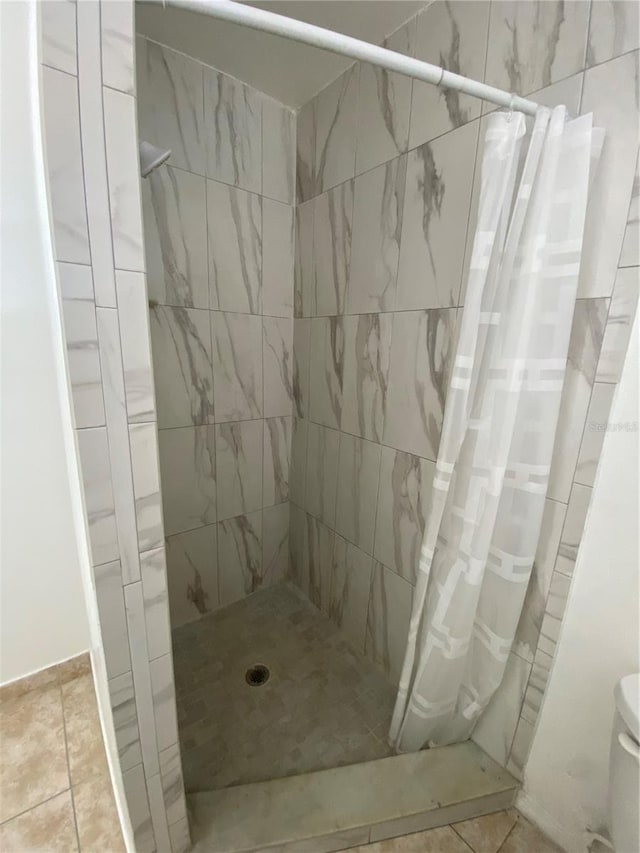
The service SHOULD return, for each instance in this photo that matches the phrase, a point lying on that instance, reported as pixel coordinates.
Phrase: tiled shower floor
(324, 705)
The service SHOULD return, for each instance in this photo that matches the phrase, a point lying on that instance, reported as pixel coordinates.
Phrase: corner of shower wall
(91, 151)
(388, 179)
(218, 219)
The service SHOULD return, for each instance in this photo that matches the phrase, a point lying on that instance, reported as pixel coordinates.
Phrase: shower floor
(323, 706)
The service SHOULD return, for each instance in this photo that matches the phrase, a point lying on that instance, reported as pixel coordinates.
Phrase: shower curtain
(499, 424)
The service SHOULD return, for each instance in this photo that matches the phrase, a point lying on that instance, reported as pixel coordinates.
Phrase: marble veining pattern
(188, 471)
(275, 460)
(125, 720)
(326, 371)
(192, 570)
(614, 29)
(350, 583)
(239, 467)
(332, 217)
(277, 258)
(116, 35)
(278, 151)
(358, 473)
(237, 365)
(233, 120)
(277, 361)
(321, 472)
(239, 556)
(388, 620)
(366, 371)
(235, 248)
(375, 248)
(335, 137)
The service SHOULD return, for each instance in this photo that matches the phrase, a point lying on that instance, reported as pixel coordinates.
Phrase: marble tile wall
(219, 235)
(387, 187)
(90, 136)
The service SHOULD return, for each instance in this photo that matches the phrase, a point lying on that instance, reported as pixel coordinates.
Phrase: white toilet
(624, 767)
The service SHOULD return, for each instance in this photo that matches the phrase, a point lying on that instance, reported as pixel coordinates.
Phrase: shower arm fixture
(281, 25)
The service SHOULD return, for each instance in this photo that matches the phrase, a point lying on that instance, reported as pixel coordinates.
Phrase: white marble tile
(175, 222)
(375, 247)
(301, 343)
(188, 473)
(58, 35)
(497, 725)
(573, 528)
(233, 121)
(239, 467)
(304, 271)
(81, 338)
(192, 570)
(326, 355)
(528, 631)
(335, 148)
(134, 606)
(534, 44)
(358, 473)
(239, 556)
(630, 253)
(584, 348)
(306, 121)
(275, 460)
(181, 342)
(520, 746)
(367, 347)
(438, 189)
(315, 572)
(113, 623)
(172, 783)
(146, 485)
(422, 344)
(332, 218)
(237, 365)
(275, 543)
(404, 499)
(614, 29)
(121, 138)
(384, 106)
(64, 163)
(156, 602)
(171, 103)
(180, 836)
(323, 446)
(594, 432)
(622, 311)
(277, 258)
(118, 32)
(135, 788)
(158, 815)
(452, 35)
(235, 248)
(135, 340)
(277, 365)
(164, 701)
(119, 453)
(388, 620)
(98, 494)
(350, 582)
(125, 718)
(612, 185)
(278, 151)
(298, 465)
(94, 153)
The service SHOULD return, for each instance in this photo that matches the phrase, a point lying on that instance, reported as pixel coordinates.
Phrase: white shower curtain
(499, 424)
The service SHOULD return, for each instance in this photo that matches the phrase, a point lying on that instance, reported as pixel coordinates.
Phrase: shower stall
(306, 271)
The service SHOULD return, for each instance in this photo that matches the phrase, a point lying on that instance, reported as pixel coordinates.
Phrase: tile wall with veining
(387, 181)
(219, 234)
(90, 138)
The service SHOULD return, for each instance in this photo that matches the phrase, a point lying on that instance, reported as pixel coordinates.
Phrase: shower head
(151, 157)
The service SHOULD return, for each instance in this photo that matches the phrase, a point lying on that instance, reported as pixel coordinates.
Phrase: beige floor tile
(33, 761)
(74, 668)
(37, 681)
(84, 736)
(486, 834)
(97, 817)
(526, 838)
(440, 840)
(48, 827)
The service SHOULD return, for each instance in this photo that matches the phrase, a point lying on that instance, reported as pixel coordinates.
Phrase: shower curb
(335, 809)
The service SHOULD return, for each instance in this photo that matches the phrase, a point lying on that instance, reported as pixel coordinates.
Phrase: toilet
(624, 767)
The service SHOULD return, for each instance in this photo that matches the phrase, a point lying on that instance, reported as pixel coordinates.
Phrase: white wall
(566, 777)
(43, 617)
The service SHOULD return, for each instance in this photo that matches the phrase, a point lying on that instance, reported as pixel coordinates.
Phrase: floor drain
(257, 675)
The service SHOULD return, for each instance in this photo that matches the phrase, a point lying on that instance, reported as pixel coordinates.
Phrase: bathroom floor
(323, 705)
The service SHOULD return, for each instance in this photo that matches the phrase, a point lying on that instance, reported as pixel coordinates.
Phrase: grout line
(66, 752)
(37, 805)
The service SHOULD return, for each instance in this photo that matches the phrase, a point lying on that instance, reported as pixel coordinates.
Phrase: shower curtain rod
(280, 25)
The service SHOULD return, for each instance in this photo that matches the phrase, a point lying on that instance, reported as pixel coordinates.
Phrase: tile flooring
(501, 832)
(55, 789)
(324, 705)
